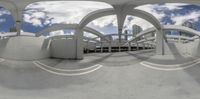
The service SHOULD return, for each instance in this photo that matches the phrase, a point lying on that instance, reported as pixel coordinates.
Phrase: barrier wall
(182, 49)
(63, 48)
(24, 48)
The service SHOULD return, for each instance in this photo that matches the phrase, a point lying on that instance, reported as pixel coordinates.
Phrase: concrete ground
(121, 77)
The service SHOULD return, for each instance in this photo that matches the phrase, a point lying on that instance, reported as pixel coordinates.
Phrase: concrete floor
(121, 77)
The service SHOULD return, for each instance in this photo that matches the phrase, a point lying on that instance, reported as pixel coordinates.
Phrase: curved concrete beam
(57, 27)
(96, 14)
(93, 31)
(110, 11)
(147, 16)
(69, 26)
(15, 11)
(167, 27)
(145, 32)
(181, 28)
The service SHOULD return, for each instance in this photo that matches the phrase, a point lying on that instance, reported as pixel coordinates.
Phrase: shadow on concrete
(174, 51)
(139, 56)
(76, 64)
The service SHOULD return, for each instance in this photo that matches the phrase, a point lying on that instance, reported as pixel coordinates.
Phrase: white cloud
(105, 21)
(192, 16)
(137, 21)
(4, 11)
(151, 9)
(62, 11)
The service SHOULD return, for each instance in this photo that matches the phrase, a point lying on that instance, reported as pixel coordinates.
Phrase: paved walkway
(121, 77)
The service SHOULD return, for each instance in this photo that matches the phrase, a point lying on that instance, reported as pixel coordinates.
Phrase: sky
(40, 15)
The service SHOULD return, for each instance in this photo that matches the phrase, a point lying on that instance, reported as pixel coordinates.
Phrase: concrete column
(143, 46)
(18, 27)
(101, 47)
(196, 49)
(119, 48)
(159, 42)
(129, 46)
(79, 44)
(110, 47)
(95, 50)
(137, 45)
(87, 50)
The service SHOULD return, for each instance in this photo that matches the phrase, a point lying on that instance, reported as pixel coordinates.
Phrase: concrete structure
(34, 66)
(136, 29)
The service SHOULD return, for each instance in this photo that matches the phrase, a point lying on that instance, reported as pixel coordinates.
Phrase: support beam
(101, 47)
(143, 46)
(18, 27)
(160, 42)
(129, 46)
(137, 46)
(79, 43)
(95, 50)
(110, 47)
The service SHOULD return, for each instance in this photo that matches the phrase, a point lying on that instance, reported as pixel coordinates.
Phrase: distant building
(126, 35)
(136, 29)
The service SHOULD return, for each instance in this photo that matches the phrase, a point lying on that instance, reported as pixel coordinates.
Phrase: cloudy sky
(40, 15)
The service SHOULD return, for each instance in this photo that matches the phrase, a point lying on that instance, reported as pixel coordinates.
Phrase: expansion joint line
(67, 72)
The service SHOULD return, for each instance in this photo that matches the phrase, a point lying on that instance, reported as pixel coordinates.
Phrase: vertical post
(95, 50)
(119, 47)
(79, 44)
(129, 46)
(110, 47)
(137, 46)
(143, 46)
(18, 27)
(87, 49)
(159, 42)
(101, 47)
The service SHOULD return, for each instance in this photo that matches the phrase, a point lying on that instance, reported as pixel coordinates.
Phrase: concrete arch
(12, 7)
(96, 14)
(167, 27)
(181, 28)
(105, 12)
(69, 26)
(147, 16)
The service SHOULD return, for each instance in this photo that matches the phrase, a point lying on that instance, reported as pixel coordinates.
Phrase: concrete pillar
(87, 50)
(95, 50)
(120, 35)
(101, 47)
(110, 47)
(196, 49)
(18, 27)
(129, 46)
(119, 48)
(79, 43)
(160, 42)
(143, 46)
(137, 45)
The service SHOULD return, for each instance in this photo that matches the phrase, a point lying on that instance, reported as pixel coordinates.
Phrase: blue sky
(40, 15)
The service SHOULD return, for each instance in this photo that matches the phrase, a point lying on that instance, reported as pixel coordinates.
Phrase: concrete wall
(181, 49)
(63, 48)
(24, 48)
(196, 48)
